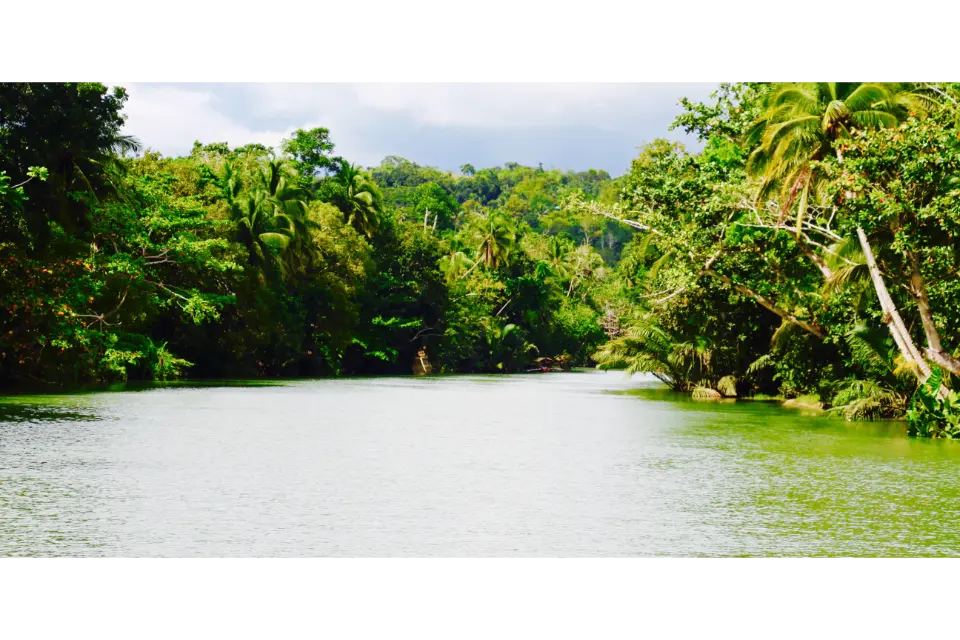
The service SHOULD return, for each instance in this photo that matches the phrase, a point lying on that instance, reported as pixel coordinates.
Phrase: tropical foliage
(118, 263)
(830, 206)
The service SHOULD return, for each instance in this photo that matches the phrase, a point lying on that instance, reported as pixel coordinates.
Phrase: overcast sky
(564, 126)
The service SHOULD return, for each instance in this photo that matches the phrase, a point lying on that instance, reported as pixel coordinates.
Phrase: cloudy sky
(565, 126)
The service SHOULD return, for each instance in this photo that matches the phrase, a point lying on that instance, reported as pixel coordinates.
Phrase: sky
(444, 125)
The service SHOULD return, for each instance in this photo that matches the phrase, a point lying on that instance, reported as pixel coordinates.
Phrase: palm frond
(122, 145)
(834, 114)
(844, 276)
(869, 346)
(761, 363)
(874, 119)
(783, 333)
(867, 400)
(276, 240)
(869, 94)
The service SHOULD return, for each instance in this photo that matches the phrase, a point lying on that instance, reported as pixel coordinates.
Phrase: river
(561, 465)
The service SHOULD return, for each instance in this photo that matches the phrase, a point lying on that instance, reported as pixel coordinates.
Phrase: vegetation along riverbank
(809, 248)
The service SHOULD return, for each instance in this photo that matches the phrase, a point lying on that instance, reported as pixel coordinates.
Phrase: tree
(899, 187)
(289, 202)
(559, 251)
(311, 152)
(434, 206)
(262, 230)
(649, 348)
(72, 129)
(496, 236)
(801, 124)
(454, 265)
(358, 198)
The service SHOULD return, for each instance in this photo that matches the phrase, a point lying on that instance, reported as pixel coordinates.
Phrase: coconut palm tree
(264, 232)
(230, 184)
(360, 199)
(884, 391)
(558, 257)
(802, 123)
(282, 194)
(496, 237)
(454, 265)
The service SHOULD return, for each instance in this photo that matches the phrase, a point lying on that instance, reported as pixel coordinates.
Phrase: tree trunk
(768, 304)
(934, 349)
(814, 258)
(890, 314)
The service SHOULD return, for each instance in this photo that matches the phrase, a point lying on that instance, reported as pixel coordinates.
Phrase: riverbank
(807, 403)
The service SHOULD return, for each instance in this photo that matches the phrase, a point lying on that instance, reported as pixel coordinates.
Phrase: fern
(866, 400)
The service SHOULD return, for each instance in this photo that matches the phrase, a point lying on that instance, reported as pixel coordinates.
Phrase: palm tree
(558, 257)
(360, 199)
(278, 183)
(884, 391)
(803, 123)
(230, 184)
(269, 220)
(455, 264)
(647, 347)
(497, 236)
(264, 232)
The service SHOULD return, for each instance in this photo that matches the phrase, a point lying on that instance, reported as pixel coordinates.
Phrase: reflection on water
(584, 464)
(36, 411)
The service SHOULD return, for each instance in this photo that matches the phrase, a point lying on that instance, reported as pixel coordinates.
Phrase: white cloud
(170, 119)
(476, 104)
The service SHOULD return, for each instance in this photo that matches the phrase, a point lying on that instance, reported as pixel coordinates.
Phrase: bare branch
(17, 186)
(672, 295)
(419, 333)
(596, 209)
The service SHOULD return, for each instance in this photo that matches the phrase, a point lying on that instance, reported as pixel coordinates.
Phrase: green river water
(562, 465)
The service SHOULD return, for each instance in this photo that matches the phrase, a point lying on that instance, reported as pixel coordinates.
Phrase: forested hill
(530, 197)
(119, 263)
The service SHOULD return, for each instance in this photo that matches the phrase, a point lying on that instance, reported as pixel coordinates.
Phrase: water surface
(578, 464)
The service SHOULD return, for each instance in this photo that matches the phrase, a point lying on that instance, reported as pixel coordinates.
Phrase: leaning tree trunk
(934, 350)
(891, 317)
